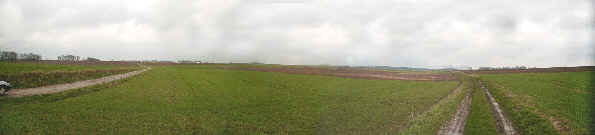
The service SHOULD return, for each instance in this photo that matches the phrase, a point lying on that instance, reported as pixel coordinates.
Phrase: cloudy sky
(339, 32)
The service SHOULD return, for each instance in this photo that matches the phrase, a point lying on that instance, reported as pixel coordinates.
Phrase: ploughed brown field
(352, 73)
(533, 70)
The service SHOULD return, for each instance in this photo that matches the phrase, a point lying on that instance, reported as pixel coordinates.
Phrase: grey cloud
(342, 32)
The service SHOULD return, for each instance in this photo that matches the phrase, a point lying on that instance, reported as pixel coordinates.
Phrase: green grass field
(429, 122)
(205, 100)
(29, 75)
(535, 101)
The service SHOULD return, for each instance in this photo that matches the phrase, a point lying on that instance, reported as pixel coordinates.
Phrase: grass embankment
(545, 103)
(204, 100)
(481, 119)
(440, 113)
(29, 75)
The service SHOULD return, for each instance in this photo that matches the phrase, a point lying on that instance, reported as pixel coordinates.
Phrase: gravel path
(504, 123)
(74, 85)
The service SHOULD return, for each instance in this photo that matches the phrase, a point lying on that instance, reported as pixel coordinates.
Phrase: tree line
(13, 56)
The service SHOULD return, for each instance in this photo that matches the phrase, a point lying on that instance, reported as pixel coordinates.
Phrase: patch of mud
(560, 125)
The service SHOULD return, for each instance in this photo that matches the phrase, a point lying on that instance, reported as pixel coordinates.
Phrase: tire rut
(505, 125)
(456, 125)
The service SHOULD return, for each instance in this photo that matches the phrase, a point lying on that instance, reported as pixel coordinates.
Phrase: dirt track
(504, 124)
(74, 85)
(457, 124)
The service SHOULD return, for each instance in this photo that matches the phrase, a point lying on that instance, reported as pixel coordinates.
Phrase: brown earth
(533, 70)
(351, 73)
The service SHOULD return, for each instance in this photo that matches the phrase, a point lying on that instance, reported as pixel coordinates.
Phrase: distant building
(92, 59)
(485, 68)
(69, 58)
(8, 56)
(29, 57)
(189, 62)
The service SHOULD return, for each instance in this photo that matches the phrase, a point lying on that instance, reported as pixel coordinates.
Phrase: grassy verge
(37, 79)
(30, 75)
(7, 68)
(203, 100)
(48, 98)
(481, 119)
(440, 113)
(545, 103)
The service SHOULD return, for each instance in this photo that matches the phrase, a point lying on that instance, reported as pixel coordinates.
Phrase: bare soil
(353, 73)
(74, 85)
(533, 70)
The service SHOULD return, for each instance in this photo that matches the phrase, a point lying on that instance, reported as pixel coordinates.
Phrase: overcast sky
(339, 32)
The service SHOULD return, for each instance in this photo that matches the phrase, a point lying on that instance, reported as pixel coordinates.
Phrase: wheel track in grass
(436, 104)
(456, 125)
(75, 85)
(504, 124)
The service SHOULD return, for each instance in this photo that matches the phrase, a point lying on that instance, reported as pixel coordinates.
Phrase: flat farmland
(206, 99)
(546, 102)
(349, 72)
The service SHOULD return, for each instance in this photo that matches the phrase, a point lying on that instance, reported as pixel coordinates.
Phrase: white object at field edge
(4, 83)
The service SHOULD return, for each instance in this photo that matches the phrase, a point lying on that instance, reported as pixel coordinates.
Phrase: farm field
(440, 114)
(24, 67)
(348, 72)
(205, 99)
(31, 74)
(545, 103)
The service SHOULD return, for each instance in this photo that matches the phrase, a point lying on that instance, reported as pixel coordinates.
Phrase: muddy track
(75, 85)
(456, 125)
(504, 124)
